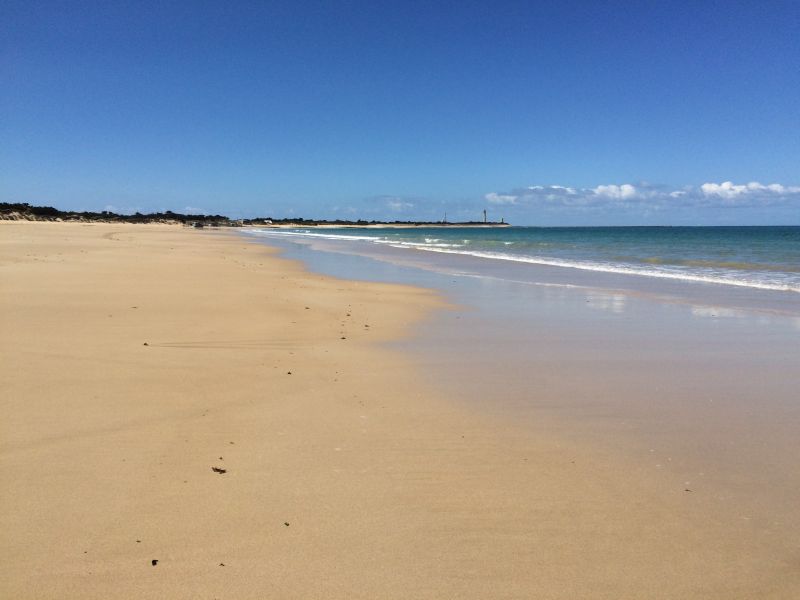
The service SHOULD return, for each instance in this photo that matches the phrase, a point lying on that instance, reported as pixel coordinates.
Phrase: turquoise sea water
(751, 257)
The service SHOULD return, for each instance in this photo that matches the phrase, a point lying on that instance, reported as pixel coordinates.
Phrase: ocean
(765, 258)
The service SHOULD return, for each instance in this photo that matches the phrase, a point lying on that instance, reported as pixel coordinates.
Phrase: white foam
(622, 270)
(662, 273)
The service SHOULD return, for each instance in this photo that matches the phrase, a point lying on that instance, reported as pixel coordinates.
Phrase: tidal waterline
(691, 387)
(764, 258)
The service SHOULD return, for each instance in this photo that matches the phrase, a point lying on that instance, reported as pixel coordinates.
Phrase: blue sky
(542, 112)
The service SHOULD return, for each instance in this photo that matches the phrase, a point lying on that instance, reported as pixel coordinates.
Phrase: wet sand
(137, 359)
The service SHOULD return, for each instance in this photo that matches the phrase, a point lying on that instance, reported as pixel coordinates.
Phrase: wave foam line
(550, 262)
(620, 270)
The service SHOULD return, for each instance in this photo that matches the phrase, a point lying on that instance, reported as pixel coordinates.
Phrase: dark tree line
(48, 213)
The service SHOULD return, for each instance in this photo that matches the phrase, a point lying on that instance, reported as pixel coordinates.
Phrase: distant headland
(26, 212)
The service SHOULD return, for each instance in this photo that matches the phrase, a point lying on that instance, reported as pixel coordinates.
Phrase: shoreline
(677, 287)
(300, 225)
(348, 478)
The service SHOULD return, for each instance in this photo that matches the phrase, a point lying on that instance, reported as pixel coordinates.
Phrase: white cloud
(569, 190)
(494, 198)
(645, 199)
(618, 192)
(725, 189)
(729, 190)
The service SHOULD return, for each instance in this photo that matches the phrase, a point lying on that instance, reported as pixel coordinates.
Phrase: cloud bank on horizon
(725, 194)
(706, 203)
(711, 203)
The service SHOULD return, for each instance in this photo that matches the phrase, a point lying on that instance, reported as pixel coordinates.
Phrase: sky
(542, 113)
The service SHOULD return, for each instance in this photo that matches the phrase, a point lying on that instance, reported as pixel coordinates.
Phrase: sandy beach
(188, 415)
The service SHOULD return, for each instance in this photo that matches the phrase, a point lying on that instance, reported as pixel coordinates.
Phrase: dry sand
(136, 358)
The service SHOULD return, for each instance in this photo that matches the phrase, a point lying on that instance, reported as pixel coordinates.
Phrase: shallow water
(693, 386)
(753, 257)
